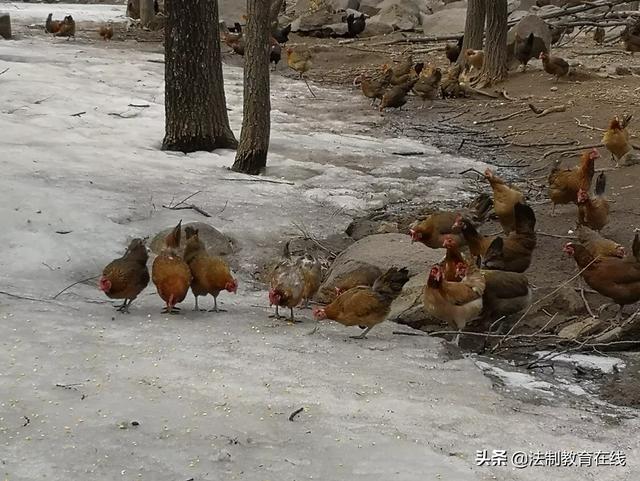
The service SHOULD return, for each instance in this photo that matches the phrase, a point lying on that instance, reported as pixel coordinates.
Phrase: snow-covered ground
(212, 393)
(27, 13)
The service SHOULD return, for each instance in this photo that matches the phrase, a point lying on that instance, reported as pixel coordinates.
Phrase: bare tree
(473, 27)
(195, 105)
(251, 157)
(274, 11)
(146, 12)
(494, 68)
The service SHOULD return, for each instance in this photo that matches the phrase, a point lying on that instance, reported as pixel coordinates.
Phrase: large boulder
(400, 14)
(320, 23)
(408, 309)
(5, 25)
(216, 242)
(449, 21)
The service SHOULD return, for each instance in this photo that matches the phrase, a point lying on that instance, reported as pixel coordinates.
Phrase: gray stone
(445, 22)
(408, 309)
(5, 25)
(216, 242)
(376, 28)
(400, 14)
(317, 22)
(578, 329)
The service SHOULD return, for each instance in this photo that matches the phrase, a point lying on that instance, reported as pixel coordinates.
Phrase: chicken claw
(124, 308)
(363, 335)
(171, 310)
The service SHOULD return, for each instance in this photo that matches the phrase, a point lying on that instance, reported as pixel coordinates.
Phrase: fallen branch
(74, 284)
(556, 236)
(542, 112)
(587, 126)
(140, 106)
(293, 415)
(183, 206)
(79, 114)
(586, 304)
(436, 38)
(5, 70)
(503, 117)
(260, 179)
(506, 96)
(572, 149)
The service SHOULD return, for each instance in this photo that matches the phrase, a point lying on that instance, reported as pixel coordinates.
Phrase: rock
(376, 28)
(321, 23)
(5, 25)
(360, 228)
(445, 22)
(400, 14)
(630, 158)
(622, 70)
(407, 309)
(216, 242)
(310, 6)
(566, 300)
(581, 328)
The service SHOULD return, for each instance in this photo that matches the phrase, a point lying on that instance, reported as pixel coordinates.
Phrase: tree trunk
(274, 11)
(133, 9)
(195, 105)
(146, 12)
(473, 27)
(494, 68)
(251, 157)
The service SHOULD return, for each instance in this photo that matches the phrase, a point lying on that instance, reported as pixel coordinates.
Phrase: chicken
(68, 28)
(504, 199)
(396, 96)
(505, 293)
(457, 303)
(366, 306)
(432, 230)
(450, 86)
(402, 72)
(523, 49)
(355, 25)
(126, 277)
(106, 32)
(375, 87)
(565, 184)
(312, 273)
(210, 274)
(275, 53)
(594, 213)
(612, 277)
(281, 34)
(452, 258)
(418, 68)
(616, 138)
(597, 245)
(478, 243)
(598, 36)
(237, 28)
(428, 84)
(631, 41)
(356, 274)
(556, 66)
(513, 252)
(286, 286)
(170, 273)
(299, 60)
(235, 42)
(52, 26)
(452, 51)
(474, 58)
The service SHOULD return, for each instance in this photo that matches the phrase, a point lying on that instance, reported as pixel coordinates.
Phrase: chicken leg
(276, 315)
(124, 308)
(215, 306)
(362, 335)
(170, 310)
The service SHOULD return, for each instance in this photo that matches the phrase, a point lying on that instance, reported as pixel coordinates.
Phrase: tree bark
(133, 9)
(274, 11)
(251, 157)
(195, 106)
(473, 27)
(494, 68)
(146, 12)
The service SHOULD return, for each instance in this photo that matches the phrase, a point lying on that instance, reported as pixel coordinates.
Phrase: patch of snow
(27, 13)
(517, 380)
(604, 364)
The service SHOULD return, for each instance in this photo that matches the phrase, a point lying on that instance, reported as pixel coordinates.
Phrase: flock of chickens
(67, 28)
(481, 278)
(391, 85)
